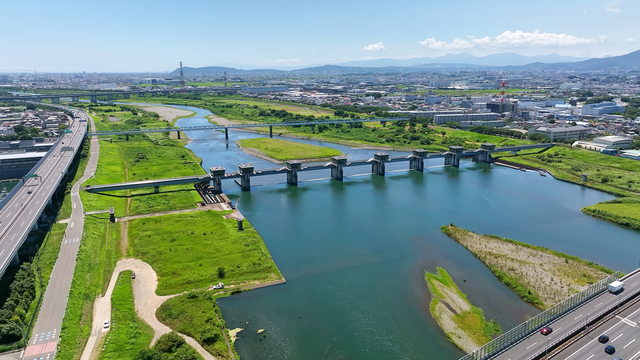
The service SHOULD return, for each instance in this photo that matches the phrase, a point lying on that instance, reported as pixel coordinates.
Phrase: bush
(221, 272)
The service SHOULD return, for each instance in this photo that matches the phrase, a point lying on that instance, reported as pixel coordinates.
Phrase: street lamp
(586, 322)
(546, 351)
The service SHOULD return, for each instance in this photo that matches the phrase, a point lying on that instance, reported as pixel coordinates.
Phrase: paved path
(216, 207)
(146, 303)
(46, 331)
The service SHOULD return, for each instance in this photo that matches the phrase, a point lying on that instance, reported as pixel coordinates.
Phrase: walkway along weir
(338, 163)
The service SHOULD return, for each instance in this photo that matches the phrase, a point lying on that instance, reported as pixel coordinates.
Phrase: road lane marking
(2, 252)
(634, 283)
(22, 224)
(71, 225)
(532, 345)
(598, 304)
(631, 342)
(592, 355)
(74, 205)
(617, 337)
(578, 317)
(14, 235)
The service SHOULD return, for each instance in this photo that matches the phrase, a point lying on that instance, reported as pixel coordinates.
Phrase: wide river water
(354, 253)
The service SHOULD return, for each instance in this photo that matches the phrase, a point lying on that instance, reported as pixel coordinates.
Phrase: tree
(221, 272)
(62, 127)
(539, 137)
(148, 354)
(453, 124)
(169, 343)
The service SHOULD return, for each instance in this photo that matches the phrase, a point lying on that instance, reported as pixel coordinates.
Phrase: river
(354, 252)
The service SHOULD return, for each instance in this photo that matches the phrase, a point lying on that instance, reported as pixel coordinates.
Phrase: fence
(532, 325)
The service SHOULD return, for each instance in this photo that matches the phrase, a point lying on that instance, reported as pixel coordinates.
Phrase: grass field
(196, 314)
(463, 323)
(96, 260)
(472, 137)
(128, 334)
(609, 173)
(294, 109)
(187, 249)
(624, 211)
(283, 150)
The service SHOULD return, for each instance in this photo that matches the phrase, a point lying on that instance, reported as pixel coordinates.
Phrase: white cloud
(374, 47)
(510, 39)
(613, 6)
(631, 40)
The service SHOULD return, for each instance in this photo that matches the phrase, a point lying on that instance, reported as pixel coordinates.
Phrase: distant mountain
(503, 59)
(219, 70)
(495, 62)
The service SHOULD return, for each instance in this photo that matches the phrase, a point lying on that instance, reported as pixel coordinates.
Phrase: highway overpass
(23, 206)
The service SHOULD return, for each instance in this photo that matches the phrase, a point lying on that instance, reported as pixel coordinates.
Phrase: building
(602, 108)
(262, 89)
(492, 123)
(503, 107)
(422, 113)
(614, 141)
(443, 119)
(630, 154)
(561, 133)
(13, 166)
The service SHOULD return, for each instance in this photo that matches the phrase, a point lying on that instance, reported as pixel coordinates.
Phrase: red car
(546, 330)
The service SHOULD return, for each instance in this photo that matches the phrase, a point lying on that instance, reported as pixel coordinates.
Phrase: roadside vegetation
(199, 249)
(170, 346)
(463, 323)
(517, 265)
(128, 334)
(196, 314)
(283, 150)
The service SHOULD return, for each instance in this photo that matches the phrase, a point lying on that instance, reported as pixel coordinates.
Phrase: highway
(623, 332)
(46, 330)
(537, 343)
(19, 215)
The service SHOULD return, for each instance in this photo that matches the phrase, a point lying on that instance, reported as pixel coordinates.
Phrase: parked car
(609, 349)
(218, 286)
(106, 324)
(546, 330)
(603, 338)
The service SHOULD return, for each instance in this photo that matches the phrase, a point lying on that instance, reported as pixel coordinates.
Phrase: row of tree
(22, 291)
(489, 130)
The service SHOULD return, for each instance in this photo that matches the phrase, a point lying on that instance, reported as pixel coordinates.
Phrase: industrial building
(561, 133)
(602, 108)
(443, 119)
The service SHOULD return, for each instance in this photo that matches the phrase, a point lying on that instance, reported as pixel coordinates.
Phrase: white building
(613, 142)
(561, 133)
(443, 119)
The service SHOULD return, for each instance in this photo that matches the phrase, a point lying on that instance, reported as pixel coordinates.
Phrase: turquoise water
(354, 253)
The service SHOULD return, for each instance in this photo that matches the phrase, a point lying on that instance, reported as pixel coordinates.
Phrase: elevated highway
(21, 209)
(93, 96)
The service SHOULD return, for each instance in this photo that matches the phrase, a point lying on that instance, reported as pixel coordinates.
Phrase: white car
(106, 324)
(218, 286)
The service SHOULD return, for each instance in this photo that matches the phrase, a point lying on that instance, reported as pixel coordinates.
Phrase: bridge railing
(532, 325)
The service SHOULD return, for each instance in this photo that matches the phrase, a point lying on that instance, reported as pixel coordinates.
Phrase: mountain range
(495, 62)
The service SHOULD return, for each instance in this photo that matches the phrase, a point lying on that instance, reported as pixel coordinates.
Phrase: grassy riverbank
(188, 249)
(283, 150)
(196, 314)
(463, 323)
(540, 276)
(128, 334)
(624, 211)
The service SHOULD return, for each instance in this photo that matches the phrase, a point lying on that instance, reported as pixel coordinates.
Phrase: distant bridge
(226, 128)
(93, 96)
(337, 164)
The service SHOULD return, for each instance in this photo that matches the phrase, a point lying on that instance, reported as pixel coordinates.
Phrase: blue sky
(155, 35)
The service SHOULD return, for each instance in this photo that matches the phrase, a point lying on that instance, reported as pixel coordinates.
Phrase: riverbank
(279, 151)
(624, 211)
(463, 323)
(538, 275)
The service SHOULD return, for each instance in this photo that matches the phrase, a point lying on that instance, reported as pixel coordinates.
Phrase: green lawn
(292, 108)
(128, 334)
(482, 138)
(196, 314)
(187, 249)
(96, 260)
(288, 150)
(623, 211)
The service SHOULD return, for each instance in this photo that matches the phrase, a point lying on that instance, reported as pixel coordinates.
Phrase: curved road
(46, 331)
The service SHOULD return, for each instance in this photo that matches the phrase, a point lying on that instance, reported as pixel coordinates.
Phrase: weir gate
(336, 165)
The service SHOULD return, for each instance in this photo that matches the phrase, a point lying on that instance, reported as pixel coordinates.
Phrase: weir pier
(336, 166)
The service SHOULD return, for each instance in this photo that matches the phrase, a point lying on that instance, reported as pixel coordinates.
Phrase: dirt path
(124, 238)
(146, 303)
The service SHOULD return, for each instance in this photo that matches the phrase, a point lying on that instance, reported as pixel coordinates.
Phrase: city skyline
(74, 36)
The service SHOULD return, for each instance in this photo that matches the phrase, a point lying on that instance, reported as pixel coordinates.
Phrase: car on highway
(546, 330)
(106, 324)
(609, 349)
(603, 338)
(30, 191)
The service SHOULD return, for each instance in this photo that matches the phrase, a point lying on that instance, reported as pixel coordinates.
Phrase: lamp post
(586, 322)
(546, 351)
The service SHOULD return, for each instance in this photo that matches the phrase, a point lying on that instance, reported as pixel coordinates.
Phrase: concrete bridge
(336, 166)
(93, 97)
(226, 128)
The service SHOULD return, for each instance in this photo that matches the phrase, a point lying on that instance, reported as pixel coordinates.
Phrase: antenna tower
(181, 75)
(503, 87)
(225, 79)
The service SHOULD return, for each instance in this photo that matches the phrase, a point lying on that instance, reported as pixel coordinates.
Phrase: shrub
(221, 272)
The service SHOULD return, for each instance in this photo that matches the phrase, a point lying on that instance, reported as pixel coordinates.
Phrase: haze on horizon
(153, 36)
